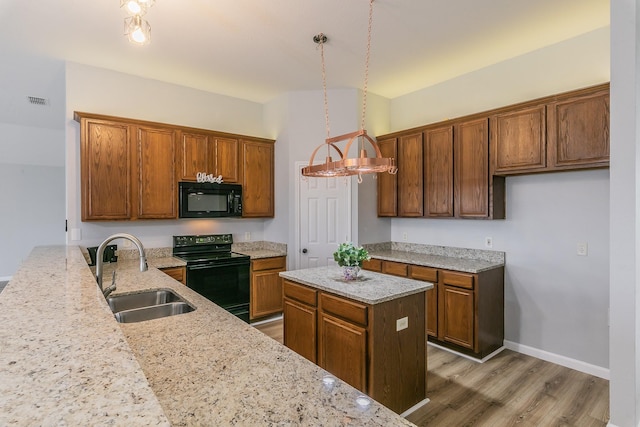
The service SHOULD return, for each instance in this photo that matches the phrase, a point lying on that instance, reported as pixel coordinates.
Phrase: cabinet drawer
(395, 268)
(372, 265)
(268, 263)
(348, 310)
(460, 280)
(427, 274)
(300, 293)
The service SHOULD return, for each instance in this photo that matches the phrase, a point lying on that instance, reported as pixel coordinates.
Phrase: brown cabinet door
(471, 160)
(429, 274)
(518, 140)
(342, 350)
(105, 159)
(578, 131)
(457, 316)
(194, 156)
(155, 180)
(266, 293)
(387, 183)
(227, 159)
(438, 172)
(410, 176)
(257, 185)
(300, 328)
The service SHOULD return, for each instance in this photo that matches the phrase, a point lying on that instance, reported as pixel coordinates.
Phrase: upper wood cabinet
(129, 169)
(564, 132)
(471, 169)
(195, 155)
(257, 184)
(438, 172)
(155, 173)
(388, 183)
(578, 131)
(410, 179)
(105, 160)
(518, 140)
(205, 152)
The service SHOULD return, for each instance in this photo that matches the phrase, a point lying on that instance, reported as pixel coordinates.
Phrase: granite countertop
(448, 258)
(370, 287)
(260, 249)
(64, 359)
(72, 363)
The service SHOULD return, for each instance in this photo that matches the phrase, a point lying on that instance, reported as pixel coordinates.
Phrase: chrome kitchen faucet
(100, 252)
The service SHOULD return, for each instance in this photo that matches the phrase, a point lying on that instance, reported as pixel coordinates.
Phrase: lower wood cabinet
(465, 311)
(359, 343)
(300, 319)
(178, 273)
(266, 286)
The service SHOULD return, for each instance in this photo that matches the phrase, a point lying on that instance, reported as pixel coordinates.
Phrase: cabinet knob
(304, 251)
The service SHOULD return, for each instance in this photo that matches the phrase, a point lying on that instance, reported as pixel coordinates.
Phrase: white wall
(300, 122)
(101, 91)
(556, 302)
(32, 211)
(625, 293)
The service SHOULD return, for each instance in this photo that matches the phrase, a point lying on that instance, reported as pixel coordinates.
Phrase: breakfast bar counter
(66, 361)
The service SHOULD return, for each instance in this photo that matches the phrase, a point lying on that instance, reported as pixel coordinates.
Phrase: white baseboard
(567, 362)
(415, 407)
(466, 356)
(5, 278)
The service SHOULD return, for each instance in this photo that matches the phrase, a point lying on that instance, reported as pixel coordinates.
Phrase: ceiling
(258, 49)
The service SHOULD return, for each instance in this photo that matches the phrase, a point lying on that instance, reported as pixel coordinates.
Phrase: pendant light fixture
(346, 166)
(137, 30)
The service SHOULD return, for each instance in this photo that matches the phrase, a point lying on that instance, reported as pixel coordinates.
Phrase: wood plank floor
(511, 389)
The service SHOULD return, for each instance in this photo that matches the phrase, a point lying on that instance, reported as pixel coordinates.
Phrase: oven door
(224, 283)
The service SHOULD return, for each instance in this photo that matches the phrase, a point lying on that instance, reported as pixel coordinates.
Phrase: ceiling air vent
(37, 100)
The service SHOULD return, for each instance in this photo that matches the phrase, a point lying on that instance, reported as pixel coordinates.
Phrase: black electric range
(215, 272)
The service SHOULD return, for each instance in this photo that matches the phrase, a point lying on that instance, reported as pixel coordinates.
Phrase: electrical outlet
(488, 242)
(582, 249)
(247, 236)
(404, 236)
(402, 323)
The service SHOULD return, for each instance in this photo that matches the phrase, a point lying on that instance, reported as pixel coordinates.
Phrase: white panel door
(323, 219)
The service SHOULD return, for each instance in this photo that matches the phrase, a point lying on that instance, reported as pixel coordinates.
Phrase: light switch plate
(402, 323)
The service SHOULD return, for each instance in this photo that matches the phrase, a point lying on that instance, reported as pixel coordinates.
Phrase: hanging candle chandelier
(345, 165)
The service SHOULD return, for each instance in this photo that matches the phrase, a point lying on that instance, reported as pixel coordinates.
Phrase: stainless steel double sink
(147, 305)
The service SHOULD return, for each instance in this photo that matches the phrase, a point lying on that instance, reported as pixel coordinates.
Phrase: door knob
(304, 251)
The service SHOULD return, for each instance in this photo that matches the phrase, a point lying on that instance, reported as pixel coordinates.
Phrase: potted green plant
(350, 258)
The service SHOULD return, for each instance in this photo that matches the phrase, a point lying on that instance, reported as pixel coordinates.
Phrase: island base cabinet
(300, 319)
(362, 344)
(342, 350)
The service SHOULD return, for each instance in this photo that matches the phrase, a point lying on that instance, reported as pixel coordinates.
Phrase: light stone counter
(260, 249)
(369, 287)
(64, 360)
(204, 368)
(448, 258)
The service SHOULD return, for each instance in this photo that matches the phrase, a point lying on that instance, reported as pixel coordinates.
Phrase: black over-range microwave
(209, 200)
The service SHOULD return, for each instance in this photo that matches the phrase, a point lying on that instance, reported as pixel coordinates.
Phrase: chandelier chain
(366, 65)
(322, 40)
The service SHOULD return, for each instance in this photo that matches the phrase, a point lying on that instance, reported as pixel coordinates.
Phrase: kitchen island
(66, 361)
(370, 332)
